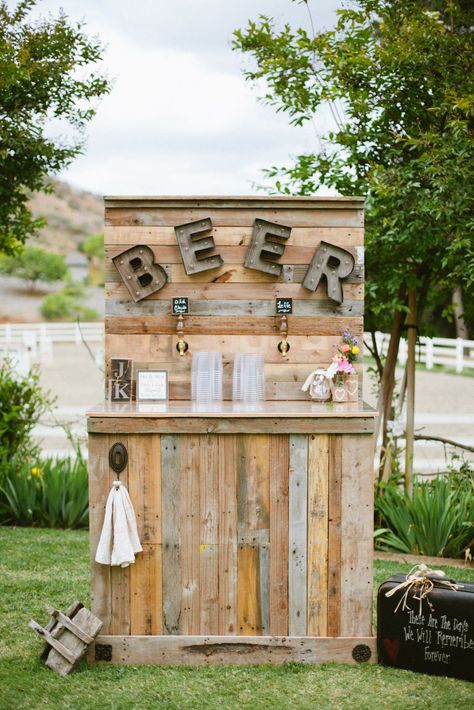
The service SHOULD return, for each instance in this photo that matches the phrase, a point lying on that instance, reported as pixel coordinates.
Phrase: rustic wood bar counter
(256, 521)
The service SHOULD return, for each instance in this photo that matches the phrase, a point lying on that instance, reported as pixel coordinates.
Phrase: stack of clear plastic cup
(248, 378)
(206, 376)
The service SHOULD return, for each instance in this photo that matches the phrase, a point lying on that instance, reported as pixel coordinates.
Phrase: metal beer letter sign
(140, 274)
(332, 262)
(267, 245)
(195, 248)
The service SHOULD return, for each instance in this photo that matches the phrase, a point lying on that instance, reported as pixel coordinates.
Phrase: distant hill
(71, 215)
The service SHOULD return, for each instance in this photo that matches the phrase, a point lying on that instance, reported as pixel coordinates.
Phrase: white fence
(452, 352)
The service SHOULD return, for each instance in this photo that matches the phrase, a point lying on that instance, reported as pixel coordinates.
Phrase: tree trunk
(410, 370)
(384, 403)
(458, 312)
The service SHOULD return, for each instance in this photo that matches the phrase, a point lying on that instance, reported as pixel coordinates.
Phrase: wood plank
(209, 534)
(297, 534)
(119, 576)
(243, 650)
(146, 597)
(334, 535)
(279, 465)
(244, 425)
(190, 528)
(162, 348)
(144, 455)
(318, 471)
(99, 488)
(357, 535)
(67, 641)
(230, 255)
(171, 497)
(253, 488)
(232, 236)
(230, 217)
(227, 534)
(249, 621)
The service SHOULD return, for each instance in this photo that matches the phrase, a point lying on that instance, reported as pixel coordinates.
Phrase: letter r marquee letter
(332, 262)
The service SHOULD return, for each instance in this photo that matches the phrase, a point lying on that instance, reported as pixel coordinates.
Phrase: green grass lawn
(40, 566)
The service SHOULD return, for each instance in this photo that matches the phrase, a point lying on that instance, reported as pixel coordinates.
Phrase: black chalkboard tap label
(180, 305)
(284, 306)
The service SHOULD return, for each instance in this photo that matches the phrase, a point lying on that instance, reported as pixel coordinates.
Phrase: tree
(397, 76)
(45, 74)
(35, 264)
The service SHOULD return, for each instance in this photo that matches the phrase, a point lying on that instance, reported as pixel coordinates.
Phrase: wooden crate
(256, 526)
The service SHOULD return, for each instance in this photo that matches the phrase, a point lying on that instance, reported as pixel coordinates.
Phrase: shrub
(436, 519)
(35, 264)
(51, 494)
(22, 403)
(65, 306)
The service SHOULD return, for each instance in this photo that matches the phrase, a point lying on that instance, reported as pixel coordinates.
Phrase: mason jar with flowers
(345, 381)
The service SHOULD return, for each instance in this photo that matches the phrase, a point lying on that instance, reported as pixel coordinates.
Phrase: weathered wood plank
(334, 535)
(230, 217)
(145, 485)
(356, 535)
(99, 488)
(209, 534)
(190, 528)
(146, 597)
(297, 534)
(227, 534)
(162, 348)
(249, 620)
(233, 236)
(67, 640)
(279, 465)
(244, 425)
(243, 650)
(171, 506)
(318, 471)
(253, 488)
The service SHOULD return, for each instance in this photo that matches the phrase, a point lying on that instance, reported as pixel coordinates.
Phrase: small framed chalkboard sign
(152, 385)
(180, 305)
(284, 306)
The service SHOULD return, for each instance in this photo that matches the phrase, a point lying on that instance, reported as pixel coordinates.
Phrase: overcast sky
(180, 118)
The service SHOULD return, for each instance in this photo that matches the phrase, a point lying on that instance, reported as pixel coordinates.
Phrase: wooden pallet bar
(256, 523)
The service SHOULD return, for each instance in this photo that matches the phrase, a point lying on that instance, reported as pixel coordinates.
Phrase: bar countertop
(230, 410)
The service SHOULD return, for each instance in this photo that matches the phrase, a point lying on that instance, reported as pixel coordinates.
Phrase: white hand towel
(119, 541)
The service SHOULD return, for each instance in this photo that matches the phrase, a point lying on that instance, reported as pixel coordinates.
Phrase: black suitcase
(439, 640)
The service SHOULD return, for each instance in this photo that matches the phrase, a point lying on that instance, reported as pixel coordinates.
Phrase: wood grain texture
(249, 620)
(171, 515)
(144, 455)
(253, 488)
(297, 534)
(230, 217)
(120, 576)
(99, 488)
(334, 535)
(227, 534)
(356, 535)
(233, 236)
(190, 473)
(243, 650)
(244, 425)
(209, 534)
(318, 472)
(146, 597)
(279, 472)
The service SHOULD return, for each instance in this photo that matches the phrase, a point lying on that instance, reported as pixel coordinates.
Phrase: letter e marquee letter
(266, 246)
(195, 248)
(139, 272)
(332, 262)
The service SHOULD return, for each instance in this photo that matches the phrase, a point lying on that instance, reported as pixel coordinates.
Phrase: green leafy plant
(66, 304)
(22, 403)
(35, 264)
(436, 519)
(52, 494)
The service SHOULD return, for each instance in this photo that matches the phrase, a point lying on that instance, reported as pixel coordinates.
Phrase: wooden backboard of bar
(256, 525)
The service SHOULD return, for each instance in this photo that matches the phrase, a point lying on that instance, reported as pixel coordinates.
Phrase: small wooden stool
(67, 636)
